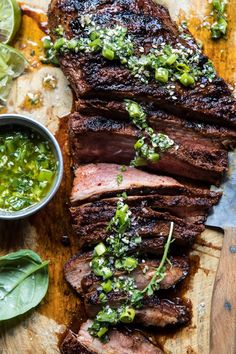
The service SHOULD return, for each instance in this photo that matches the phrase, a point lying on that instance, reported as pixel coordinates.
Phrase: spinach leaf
(23, 282)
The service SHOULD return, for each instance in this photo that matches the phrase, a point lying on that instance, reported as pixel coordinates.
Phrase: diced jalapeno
(127, 316)
(108, 53)
(107, 286)
(100, 249)
(162, 75)
(130, 263)
(172, 59)
(59, 43)
(186, 79)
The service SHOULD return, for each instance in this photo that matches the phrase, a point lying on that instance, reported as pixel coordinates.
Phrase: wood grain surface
(39, 331)
(223, 306)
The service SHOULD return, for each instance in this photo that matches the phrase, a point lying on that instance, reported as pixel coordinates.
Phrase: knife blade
(223, 306)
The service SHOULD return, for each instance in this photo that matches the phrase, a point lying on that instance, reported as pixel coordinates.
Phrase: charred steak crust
(182, 205)
(188, 158)
(174, 274)
(121, 342)
(78, 273)
(176, 127)
(92, 76)
(185, 236)
(155, 311)
(149, 224)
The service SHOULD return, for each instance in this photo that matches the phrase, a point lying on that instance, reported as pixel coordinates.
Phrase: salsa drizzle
(112, 255)
(27, 169)
(149, 147)
(163, 63)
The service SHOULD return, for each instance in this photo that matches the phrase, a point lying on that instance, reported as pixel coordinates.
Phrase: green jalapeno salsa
(27, 168)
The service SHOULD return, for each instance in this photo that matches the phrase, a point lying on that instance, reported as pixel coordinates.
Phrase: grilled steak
(146, 223)
(184, 234)
(94, 180)
(163, 312)
(183, 206)
(76, 269)
(78, 273)
(120, 342)
(154, 311)
(71, 345)
(188, 158)
(199, 117)
(177, 128)
(155, 246)
(93, 76)
(175, 272)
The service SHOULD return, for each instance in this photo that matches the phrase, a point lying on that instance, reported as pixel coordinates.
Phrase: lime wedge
(13, 59)
(5, 88)
(10, 19)
(12, 65)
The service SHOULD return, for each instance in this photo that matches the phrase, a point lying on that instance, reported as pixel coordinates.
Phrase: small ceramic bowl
(20, 120)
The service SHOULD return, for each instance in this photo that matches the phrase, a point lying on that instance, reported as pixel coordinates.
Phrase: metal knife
(223, 307)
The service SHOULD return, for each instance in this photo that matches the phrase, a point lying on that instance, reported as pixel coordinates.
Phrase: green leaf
(23, 283)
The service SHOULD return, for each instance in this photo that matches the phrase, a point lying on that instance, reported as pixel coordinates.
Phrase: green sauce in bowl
(28, 167)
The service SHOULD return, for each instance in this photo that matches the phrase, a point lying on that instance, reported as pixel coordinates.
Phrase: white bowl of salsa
(31, 166)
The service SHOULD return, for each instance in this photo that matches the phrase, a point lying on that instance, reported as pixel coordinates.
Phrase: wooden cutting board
(46, 233)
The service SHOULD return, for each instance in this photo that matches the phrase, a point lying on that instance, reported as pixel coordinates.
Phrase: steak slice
(183, 206)
(184, 236)
(93, 76)
(179, 206)
(150, 242)
(188, 158)
(76, 269)
(163, 312)
(93, 180)
(177, 128)
(78, 273)
(146, 223)
(155, 311)
(175, 272)
(72, 345)
(120, 342)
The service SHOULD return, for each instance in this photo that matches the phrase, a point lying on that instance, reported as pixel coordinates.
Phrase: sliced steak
(177, 128)
(155, 240)
(72, 345)
(155, 246)
(76, 269)
(78, 273)
(93, 76)
(155, 311)
(93, 180)
(184, 236)
(183, 206)
(120, 342)
(175, 272)
(146, 223)
(187, 158)
(163, 312)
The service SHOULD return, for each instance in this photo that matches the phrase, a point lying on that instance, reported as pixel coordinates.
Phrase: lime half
(5, 88)
(10, 19)
(14, 61)
(12, 65)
